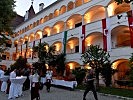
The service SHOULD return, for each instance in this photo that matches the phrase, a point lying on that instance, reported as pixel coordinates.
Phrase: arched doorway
(122, 68)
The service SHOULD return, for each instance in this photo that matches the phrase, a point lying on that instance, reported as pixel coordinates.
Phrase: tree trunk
(97, 79)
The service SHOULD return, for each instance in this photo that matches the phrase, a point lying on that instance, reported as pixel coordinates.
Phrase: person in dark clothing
(35, 86)
(90, 85)
(26, 85)
(48, 80)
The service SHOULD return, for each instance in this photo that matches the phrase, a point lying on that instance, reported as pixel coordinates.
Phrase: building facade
(82, 23)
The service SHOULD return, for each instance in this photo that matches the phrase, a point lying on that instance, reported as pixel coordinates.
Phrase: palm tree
(45, 55)
(60, 63)
(45, 52)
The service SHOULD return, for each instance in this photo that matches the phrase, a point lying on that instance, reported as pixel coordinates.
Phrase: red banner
(104, 26)
(130, 21)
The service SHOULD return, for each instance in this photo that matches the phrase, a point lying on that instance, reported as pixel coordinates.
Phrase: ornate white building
(84, 22)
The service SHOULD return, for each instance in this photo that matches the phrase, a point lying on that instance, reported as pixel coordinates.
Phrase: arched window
(56, 13)
(62, 9)
(78, 3)
(50, 16)
(70, 6)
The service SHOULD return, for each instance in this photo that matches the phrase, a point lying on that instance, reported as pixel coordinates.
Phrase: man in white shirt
(1, 75)
(1, 72)
(48, 81)
(12, 86)
(35, 86)
(4, 83)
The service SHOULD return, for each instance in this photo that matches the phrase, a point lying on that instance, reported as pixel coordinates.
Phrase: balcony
(74, 57)
(121, 52)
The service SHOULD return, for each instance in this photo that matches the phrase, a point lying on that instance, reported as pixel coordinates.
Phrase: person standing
(48, 81)
(26, 85)
(90, 85)
(1, 75)
(12, 86)
(4, 83)
(35, 86)
(8, 81)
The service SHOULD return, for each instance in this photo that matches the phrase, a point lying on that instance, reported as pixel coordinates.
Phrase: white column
(62, 42)
(82, 19)
(74, 4)
(109, 43)
(106, 11)
(65, 26)
(80, 40)
(131, 5)
(81, 37)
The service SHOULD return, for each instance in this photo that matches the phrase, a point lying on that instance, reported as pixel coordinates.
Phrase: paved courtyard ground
(60, 94)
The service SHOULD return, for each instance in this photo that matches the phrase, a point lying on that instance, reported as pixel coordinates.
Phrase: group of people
(20, 80)
(12, 82)
(33, 80)
(35, 83)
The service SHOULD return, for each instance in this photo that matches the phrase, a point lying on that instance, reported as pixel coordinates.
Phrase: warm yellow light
(17, 55)
(88, 21)
(21, 39)
(87, 66)
(57, 28)
(110, 10)
(57, 47)
(88, 44)
(47, 67)
(71, 46)
(71, 65)
(48, 32)
(87, 17)
(71, 27)
(32, 35)
(114, 65)
(70, 24)
(39, 34)
(16, 42)
(26, 38)
(46, 47)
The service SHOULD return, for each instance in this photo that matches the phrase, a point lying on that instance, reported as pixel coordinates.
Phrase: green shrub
(79, 74)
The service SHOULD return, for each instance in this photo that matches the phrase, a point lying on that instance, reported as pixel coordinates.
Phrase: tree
(6, 16)
(45, 52)
(60, 63)
(131, 67)
(96, 57)
(123, 1)
(20, 63)
(107, 73)
(79, 74)
(45, 55)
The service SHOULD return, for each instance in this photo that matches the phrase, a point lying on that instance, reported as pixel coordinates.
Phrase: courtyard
(61, 94)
